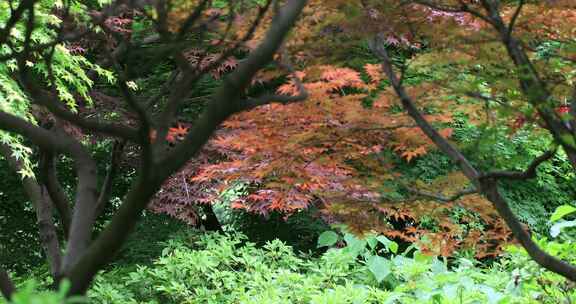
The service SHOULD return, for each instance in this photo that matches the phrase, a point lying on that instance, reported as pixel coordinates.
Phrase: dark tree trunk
(48, 234)
(6, 285)
(211, 223)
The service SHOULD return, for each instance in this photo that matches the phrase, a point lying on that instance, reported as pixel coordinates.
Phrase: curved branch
(514, 18)
(86, 192)
(85, 207)
(39, 136)
(132, 102)
(532, 86)
(43, 207)
(226, 100)
(547, 261)
(51, 102)
(463, 8)
(410, 107)
(181, 90)
(521, 175)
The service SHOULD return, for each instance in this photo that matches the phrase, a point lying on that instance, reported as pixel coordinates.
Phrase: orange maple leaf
(176, 133)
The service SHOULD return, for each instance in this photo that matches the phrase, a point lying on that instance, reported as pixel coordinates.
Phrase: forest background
(376, 136)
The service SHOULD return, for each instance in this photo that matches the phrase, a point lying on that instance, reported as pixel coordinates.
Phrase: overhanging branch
(442, 198)
(410, 107)
(529, 173)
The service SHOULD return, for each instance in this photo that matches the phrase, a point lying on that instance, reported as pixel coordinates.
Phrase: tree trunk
(48, 234)
(6, 285)
(211, 223)
(43, 206)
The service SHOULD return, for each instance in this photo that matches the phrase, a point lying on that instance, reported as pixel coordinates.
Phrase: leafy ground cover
(228, 268)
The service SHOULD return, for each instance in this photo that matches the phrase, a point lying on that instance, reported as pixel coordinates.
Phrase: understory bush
(216, 268)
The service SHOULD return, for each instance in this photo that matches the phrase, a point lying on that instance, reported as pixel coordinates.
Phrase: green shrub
(28, 294)
(214, 268)
(495, 148)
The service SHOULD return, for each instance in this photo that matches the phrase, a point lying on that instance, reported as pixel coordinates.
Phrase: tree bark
(48, 234)
(59, 199)
(6, 286)
(106, 189)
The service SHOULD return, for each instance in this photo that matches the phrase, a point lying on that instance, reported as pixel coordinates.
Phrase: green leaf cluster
(215, 268)
(68, 71)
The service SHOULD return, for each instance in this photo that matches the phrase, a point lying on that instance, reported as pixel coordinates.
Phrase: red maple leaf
(176, 133)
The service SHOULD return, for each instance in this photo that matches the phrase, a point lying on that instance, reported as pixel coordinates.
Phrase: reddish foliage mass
(328, 150)
(324, 151)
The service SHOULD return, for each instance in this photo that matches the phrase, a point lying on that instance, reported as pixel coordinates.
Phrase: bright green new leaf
(561, 212)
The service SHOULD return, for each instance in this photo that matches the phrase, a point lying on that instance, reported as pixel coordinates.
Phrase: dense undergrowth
(216, 268)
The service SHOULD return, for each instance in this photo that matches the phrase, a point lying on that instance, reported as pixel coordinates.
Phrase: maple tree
(327, 150)
(533, 92)
(35, 70)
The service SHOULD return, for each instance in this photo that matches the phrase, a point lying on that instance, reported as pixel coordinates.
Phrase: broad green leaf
(354, 245)
(379, 266)
(327, 239)
(561, 212)
(393, 246)
(372, 241)
(390, 245)
(422, 258)
(493, 296)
